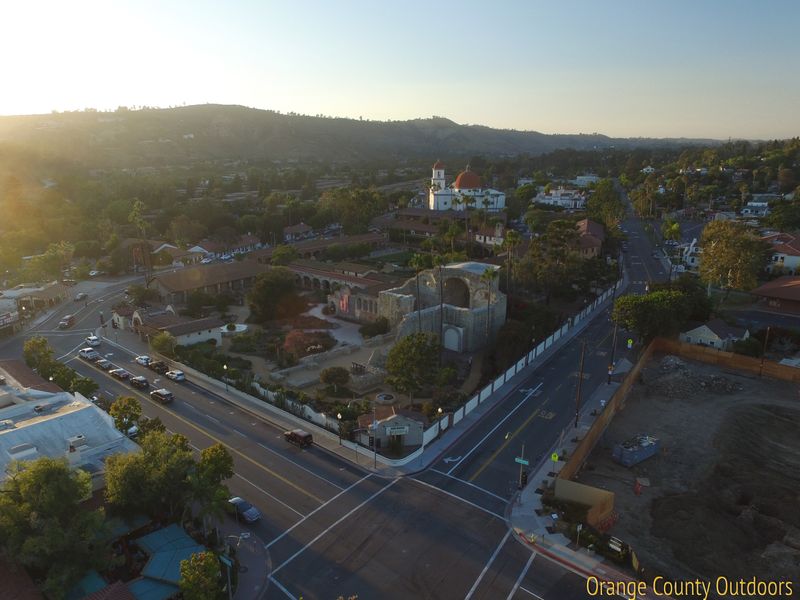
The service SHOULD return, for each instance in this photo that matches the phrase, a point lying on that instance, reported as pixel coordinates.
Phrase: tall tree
(411, 363)
(44, 527)
(419, 264)
(488, 277)
(273, 296)
(37, 352)
(605, 204)
(732, 255)
(511, 240)
(126, 412)
(214, 467)
(200, 577)
(658, 313)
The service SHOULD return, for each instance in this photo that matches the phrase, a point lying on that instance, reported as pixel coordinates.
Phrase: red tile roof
(783, 288)
(438, 165)
(467, 180)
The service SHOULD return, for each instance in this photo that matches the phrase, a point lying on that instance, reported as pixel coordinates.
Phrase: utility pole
(522, 456)
(613, 350)
(763, 352)
(580, 381)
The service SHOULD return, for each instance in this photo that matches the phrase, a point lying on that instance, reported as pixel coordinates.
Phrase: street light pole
(580, 381)
(225, 376)
(764, 352)
(339, 417)
(613, 350)
(439, 421)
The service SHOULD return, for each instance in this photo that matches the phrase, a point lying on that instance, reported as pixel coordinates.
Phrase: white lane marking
(266, 493)
(521, 575)
(486, 567)
(344, 491)
(527, 591)
(281, 588)
(299, 466)
(322, 533)
(239, 432)
(469, 483)
(465, 501)
(198, 450)
(215, 419)
(511, 412)
(81, 345)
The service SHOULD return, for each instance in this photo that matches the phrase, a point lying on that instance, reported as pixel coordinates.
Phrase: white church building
(466, 191)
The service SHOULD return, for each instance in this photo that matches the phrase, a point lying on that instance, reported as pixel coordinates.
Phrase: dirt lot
(724, 492)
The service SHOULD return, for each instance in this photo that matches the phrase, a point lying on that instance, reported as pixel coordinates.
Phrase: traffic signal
(524, 479)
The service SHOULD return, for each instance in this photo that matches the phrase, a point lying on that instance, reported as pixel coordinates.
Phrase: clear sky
(668, 68)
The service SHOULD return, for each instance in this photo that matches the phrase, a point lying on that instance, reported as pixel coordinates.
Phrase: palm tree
(467, 201)
(510, 242)
(488, 277)
(439, 260)
(418, 263)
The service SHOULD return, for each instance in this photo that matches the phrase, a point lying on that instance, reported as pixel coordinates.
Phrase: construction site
(713, 483)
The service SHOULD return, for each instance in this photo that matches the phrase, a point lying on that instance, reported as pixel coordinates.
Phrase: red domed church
(467, 191)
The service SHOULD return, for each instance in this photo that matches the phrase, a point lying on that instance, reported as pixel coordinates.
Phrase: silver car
(244, 510)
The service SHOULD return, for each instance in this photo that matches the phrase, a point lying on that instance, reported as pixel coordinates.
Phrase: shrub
(378, 327)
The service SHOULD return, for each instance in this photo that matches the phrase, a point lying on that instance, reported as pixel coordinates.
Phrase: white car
(88, 354)
(206, 261)
(226, 257)
(94, 273)
(175, 375)
(143, 360)
(92, 341)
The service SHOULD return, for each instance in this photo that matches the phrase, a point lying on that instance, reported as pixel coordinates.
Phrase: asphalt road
(330, 527)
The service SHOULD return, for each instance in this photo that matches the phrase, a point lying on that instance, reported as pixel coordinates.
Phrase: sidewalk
(254, 563)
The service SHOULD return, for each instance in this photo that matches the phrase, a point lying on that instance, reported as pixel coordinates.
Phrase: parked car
(176, 375)
(81, 296)
(89, 354)
(92, 341)
(120, 374)
(69, 282)
(139, 382)
(66, 322)
(244, 510)
(94, 273)
(158, 366)
(104, 364)
(206, 261)
(143, 360)
(162, 396)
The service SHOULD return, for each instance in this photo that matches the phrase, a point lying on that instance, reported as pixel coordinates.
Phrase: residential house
(584, 181)
(387, 423)
(591, 238)
(715, 334)
(186, 331)
(317, 247)
(692, 253)
(563, 198)
(295, 233)
(785, 253)
(756, 209)
(782, 294)
(490, 235)
(219, 248)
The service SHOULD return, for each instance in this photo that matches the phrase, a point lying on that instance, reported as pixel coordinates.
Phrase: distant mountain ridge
(187, 134)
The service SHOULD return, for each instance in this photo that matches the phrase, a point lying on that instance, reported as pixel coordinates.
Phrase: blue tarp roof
(167, 548)
(90, 583)
(150, 589)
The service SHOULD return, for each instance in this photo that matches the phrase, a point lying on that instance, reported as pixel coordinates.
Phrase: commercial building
(234, 278)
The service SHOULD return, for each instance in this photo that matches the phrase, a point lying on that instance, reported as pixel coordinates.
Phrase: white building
(466, 191)
(583, 181)
(648, 170)
(715, 334)
(569, 199)
(785, 256)
(36, 423)
(756, 209)
(691, 255)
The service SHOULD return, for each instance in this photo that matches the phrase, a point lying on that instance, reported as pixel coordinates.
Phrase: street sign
(521, 461)
(630, 343)
(554, 457)
(226, 561)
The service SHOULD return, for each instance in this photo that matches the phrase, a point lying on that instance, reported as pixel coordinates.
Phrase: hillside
(213, 132)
